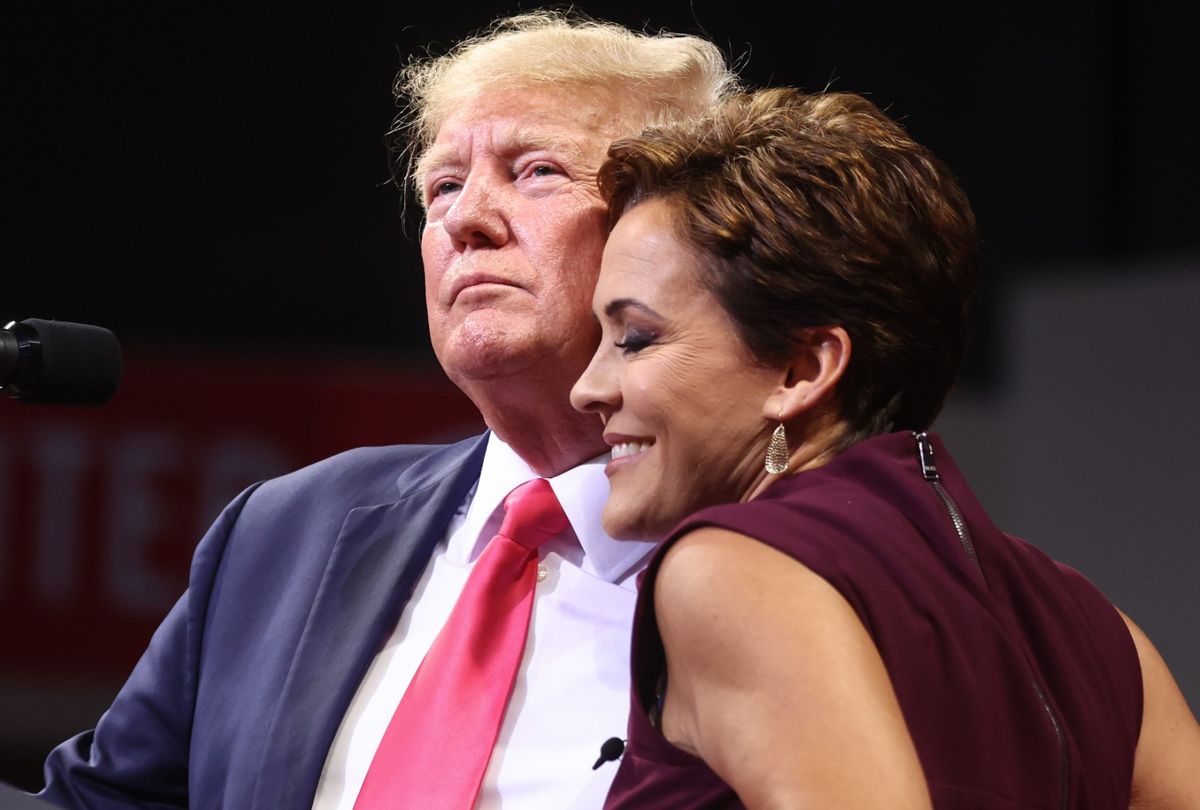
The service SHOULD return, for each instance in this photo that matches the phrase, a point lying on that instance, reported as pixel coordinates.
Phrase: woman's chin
(631, 524)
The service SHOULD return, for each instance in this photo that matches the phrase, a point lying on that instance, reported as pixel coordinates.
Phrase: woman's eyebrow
(619, 305)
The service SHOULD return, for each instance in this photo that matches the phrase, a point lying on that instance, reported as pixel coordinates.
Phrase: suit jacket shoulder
(239, 695)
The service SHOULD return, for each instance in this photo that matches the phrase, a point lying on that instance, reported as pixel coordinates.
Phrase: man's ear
(811, 378)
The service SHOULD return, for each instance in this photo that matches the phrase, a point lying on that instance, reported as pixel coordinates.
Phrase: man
(315, 597)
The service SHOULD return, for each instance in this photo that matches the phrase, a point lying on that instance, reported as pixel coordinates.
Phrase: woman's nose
(595, 391)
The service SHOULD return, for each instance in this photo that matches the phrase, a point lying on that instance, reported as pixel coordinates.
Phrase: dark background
(211, 180)
(215, 173)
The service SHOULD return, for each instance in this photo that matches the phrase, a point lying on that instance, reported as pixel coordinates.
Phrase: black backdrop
(215, 172)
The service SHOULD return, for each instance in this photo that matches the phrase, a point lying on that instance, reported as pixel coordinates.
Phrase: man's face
(514, 233)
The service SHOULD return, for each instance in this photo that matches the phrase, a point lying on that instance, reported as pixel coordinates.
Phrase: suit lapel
(376, 562)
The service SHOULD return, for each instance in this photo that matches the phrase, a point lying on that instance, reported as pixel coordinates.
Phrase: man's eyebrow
(515, 142)
(435, 156)
(529, 139)
(618, 305)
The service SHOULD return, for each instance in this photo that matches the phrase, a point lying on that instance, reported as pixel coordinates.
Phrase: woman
(789, 280)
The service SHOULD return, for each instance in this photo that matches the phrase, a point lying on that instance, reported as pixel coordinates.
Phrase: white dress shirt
(572, 689)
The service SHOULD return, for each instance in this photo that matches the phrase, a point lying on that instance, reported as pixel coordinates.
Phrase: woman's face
(681, 399)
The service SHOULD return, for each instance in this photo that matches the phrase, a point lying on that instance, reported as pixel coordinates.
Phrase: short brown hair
(819, 210)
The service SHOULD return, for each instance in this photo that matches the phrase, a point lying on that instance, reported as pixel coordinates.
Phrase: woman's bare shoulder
(1165, 771)
(774, 681)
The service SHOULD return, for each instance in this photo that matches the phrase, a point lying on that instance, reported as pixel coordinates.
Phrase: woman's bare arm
(774, 682)
(1166, 766)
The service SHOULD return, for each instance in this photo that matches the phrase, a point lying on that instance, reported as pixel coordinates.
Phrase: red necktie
(437, 746)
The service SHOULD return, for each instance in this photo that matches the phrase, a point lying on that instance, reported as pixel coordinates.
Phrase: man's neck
(542, 427)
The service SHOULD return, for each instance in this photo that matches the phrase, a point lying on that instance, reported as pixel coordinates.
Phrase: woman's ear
(811, 377)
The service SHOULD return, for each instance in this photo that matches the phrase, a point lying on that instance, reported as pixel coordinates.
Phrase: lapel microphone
(610, 751)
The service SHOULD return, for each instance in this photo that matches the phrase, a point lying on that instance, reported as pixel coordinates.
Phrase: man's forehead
(573, 126)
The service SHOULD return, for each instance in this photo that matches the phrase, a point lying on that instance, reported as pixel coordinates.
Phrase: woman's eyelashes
(635, 340)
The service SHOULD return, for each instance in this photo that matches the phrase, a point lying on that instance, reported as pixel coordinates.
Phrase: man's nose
(476, 218)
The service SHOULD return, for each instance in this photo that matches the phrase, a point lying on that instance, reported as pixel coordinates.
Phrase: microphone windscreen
(80, 364)
(610, 751)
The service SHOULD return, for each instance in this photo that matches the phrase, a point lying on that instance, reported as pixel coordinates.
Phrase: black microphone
(610, 751)
(58, 363)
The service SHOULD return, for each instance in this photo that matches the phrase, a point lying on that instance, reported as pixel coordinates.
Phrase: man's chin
(482, 361)
(485, 352)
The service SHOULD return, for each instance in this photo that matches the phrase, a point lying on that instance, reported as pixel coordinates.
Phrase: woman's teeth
(629, 449)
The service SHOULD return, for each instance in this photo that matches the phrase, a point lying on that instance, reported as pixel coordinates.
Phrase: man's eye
(634, 342)
(545, 170)
(445, 187)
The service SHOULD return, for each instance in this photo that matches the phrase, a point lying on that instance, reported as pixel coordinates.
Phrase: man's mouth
(469, 280)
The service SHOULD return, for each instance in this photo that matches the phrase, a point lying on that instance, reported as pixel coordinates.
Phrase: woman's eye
(634, 342)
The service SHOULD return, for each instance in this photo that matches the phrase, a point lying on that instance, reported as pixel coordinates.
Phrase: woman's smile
(629, 450)
(680, 439)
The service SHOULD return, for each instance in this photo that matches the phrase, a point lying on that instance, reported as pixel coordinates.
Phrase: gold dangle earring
(777, 460)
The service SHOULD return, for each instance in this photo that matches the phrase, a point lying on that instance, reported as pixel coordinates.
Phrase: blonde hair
(667, 77)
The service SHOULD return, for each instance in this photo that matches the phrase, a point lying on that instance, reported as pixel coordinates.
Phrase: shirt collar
(582, 491)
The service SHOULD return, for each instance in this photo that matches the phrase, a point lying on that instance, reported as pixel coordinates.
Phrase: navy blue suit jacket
(292, 592)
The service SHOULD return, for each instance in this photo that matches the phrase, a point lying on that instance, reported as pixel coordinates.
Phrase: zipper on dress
(1065, 771)
(929, 473)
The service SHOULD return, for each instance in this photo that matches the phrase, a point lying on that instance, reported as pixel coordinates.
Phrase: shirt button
(542, 572)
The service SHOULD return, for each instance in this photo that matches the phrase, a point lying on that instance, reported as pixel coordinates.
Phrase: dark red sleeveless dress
(1018, 680)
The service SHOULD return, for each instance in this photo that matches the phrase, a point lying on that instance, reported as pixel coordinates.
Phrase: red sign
(100, 508)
